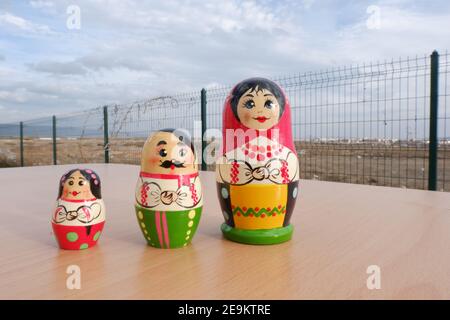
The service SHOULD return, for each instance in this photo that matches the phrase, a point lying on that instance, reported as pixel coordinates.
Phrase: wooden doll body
(79, 217)
(257, 173)
(168, 193)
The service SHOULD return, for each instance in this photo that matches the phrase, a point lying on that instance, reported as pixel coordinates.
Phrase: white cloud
(22, 95)
(8, 19)
(401, 33)
(62, 68)
(41, 4)
(128, 50)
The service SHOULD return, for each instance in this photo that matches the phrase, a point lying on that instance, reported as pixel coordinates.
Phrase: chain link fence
(367, 123)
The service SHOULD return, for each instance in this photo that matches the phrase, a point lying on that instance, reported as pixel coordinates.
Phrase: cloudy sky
(119, 51)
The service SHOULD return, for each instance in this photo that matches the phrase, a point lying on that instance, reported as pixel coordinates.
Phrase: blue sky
(128, 50)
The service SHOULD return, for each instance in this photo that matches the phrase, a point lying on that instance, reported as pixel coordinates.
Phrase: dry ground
(366, 163)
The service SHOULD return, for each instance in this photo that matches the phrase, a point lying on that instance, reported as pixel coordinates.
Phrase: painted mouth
(172, 164)
(261, 119)
(75, 193)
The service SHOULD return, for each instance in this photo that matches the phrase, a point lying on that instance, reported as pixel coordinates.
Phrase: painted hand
(167, 197)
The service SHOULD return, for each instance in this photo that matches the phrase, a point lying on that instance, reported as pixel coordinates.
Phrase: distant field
(398, 164)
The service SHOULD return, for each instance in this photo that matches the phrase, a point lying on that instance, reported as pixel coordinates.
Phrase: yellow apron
(258, 206)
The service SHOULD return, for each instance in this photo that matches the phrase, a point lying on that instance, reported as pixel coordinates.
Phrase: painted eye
(71, 183)
(163, 152)
(249, 104)
(269, 104)
(182, 152)
(81, 183)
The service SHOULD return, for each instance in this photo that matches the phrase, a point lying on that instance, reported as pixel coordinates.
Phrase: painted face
(258, 109)
(166, 153)
(77, 187)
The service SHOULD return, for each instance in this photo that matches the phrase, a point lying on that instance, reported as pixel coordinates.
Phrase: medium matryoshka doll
(168, 192)
(257, 173)
(79, 216)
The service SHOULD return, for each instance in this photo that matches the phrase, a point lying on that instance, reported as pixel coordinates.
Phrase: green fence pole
(203, 116)
(54, 139)
(21, 145)
(434, 103)
(105, 133)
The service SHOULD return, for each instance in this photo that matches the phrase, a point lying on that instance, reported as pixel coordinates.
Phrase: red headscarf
(231, 122)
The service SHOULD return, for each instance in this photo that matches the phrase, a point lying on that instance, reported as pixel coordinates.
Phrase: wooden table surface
(341, 229)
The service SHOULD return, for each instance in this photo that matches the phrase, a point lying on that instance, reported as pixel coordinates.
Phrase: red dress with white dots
(78, 224)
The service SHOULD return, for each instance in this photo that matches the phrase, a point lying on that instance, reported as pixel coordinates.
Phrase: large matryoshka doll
(79, 216)
(168, 192)
(257, 172)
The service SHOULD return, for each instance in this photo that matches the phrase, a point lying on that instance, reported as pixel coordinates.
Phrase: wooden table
(341, 229)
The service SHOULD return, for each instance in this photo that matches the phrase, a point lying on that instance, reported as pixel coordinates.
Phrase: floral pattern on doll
(84, 214)
(248, 164)
(149, 194)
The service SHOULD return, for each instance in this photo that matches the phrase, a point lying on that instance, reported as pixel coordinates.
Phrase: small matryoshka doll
(168, 192)
(257, 172)
(79, 216)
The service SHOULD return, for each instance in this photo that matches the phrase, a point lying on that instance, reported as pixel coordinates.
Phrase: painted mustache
(171, 164)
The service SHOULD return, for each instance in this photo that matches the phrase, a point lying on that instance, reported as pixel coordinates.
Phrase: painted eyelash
(247, 100)
(273, 104)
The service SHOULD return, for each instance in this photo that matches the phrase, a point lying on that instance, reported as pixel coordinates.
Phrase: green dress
(168, 229)
(168, 221)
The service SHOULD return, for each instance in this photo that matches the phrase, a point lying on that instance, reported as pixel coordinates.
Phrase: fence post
(21, 145)
(106, 133)
(54, 139)
(434, 103)
(203, 116)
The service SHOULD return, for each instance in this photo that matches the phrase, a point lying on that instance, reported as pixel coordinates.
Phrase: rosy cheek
(247, 116)
(153, 160)
(275, 119)
(189, 158)
(275, 113)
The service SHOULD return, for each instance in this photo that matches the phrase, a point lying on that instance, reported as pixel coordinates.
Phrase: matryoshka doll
(79, 216)
(168, 192)
(257, 172)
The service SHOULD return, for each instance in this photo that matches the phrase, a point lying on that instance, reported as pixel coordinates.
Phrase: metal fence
(382, 123)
